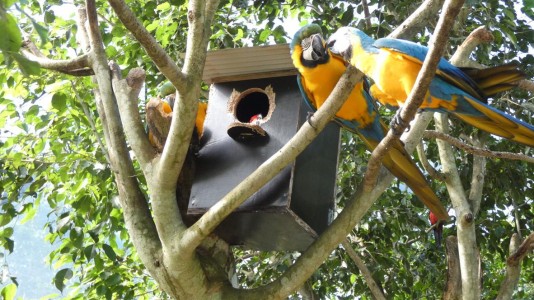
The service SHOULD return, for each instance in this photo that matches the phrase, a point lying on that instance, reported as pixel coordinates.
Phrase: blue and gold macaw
(393, 65)
(319, 73)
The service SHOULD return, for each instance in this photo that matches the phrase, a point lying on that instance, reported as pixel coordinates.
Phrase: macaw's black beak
(313, 49)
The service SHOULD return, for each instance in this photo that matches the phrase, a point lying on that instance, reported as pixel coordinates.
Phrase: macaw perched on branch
(319, 73)
(159, 113)
(394, 64)
(437, 228)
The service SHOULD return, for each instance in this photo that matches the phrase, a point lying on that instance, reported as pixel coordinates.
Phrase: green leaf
(42, 31)
(29, 213)
(6, 232)
(49, 16)
(113, 280)
(61, 276)
(109, 252)
(510, 34)
(89, 252)
(239, 35)
(9, 291)
(8, 3)
(153, 26)
(5, 219)
(59, 101)
(264, 35)
(347, 16)
(9, 244)
(164, 6)
(27, 66)
(11, 37)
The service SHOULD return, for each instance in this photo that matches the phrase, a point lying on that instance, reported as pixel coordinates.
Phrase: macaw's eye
(330, 43)
(306, 43)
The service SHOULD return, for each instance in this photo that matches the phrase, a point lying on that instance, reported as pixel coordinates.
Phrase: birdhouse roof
(248, 63)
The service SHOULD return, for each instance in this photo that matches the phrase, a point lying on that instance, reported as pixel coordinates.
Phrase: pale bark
(435, 174)
(453, 288)
(464, 215)
(127, 93)
(513, 265)
(433, 134)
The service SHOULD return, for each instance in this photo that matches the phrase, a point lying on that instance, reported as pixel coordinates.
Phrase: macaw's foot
(397, 122)
(308, 119)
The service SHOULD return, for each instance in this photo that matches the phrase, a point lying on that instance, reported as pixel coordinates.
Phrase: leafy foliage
(50, 151)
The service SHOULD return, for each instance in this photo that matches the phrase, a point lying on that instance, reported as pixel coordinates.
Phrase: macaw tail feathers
(496, 122)
(400, 164)
(495, 80)
(438, 234)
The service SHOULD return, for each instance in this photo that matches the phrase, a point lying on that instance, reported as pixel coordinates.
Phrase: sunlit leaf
(11, 37)
(61, 276)
(9, 291)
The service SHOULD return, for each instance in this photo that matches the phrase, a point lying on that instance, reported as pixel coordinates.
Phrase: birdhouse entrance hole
(250, 109)
(252, 102)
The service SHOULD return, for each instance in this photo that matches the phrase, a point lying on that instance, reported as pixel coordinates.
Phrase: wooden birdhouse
(255, 107)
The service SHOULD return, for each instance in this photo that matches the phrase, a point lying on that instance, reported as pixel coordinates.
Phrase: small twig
(426, 164)
(366, 273)
(421, 17)
(432, 134)
(366, 14)
(516, 218)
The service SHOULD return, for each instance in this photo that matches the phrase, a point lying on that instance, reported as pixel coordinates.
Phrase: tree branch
(464, 215)
(375, 289)
(525, 248)
(200, 16)
(453, 287)
(135, 208)
(420, 88)
(475, 38)
(425, 13)
(513, 264)
(78, 66)
(432, 134)
(366, 14)
(426, 165)
(479, 174)
(337, 231)
(163, 61)
(127, 92)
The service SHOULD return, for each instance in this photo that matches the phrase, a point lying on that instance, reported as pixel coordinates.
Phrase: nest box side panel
(267, 231)
(223, 162)
(314, 178)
